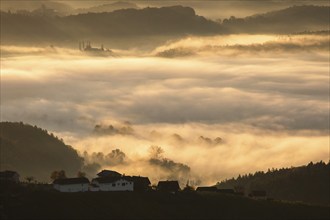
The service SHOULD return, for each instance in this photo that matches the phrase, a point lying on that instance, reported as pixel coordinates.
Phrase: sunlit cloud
(243, 45)
(218, 115)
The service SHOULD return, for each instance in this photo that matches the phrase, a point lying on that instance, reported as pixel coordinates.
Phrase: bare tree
(29, 179)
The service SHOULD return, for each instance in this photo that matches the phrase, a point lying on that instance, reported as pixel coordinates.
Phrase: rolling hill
(149, 24)
(130, 24)
(289, 20)
(309, 184)
(14, 5)
(32, 151)
(107, 7)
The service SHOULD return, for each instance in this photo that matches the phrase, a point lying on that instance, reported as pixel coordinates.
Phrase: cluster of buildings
(87, 47)
(109, 180)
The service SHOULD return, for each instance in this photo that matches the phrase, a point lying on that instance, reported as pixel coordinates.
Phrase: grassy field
(149, 205)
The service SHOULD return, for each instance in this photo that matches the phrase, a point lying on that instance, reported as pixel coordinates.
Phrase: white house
(111, 183)
(94, 188)
(71, 184)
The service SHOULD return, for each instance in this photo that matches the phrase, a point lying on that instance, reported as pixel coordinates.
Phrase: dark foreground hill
(150, 205)
(32, 151)
(308, 184)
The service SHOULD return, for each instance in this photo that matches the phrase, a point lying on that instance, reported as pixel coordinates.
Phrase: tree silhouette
(308, 183)
(156, 151)
(81, 174)
(58, 175)
(29, 179)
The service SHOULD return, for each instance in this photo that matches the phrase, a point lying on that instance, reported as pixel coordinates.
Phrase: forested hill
(32, 151)
(288, 20)
(165, 22)
(308, 183)
(113, 6)
(125, 23)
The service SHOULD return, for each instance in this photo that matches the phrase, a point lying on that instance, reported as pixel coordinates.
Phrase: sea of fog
(205, 109)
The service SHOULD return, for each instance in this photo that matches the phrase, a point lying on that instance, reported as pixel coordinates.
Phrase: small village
(113, 181)
(88, 48)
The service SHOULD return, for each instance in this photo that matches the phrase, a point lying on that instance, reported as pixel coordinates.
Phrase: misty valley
(227, 98)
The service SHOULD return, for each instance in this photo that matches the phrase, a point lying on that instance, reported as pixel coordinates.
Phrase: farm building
(140, 183)
(168, 186)
(111, 183)
(71, 184)
(206, 189)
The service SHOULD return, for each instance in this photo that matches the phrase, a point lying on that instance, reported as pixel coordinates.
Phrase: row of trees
(57, 174)
(60, 174)
(308, 183)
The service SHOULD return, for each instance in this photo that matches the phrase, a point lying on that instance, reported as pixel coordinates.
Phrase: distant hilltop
(107, 7)
(62, 8)
(309, 183)
(164, 22)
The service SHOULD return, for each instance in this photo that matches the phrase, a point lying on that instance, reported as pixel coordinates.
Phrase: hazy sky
(268, 101)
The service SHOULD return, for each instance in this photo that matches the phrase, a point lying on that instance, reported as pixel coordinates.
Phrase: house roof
(139, 180)
(68, 181)
(105, 173)
(168, 185)
(8, 174)
(207, 188)
(111, 179)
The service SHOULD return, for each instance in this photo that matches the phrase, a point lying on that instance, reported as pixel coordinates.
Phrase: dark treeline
(306, 183)
(170, 22)
(292, 19)
(108, 7)
(62, 8)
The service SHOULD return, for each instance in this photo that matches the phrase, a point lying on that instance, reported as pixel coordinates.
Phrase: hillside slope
(125, 23)
(30, 5)
(32, 151)
(107, 7)
(289, 20)
(308, 184)
(165, 22)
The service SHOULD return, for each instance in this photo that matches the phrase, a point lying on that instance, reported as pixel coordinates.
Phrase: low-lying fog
(203, 109)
